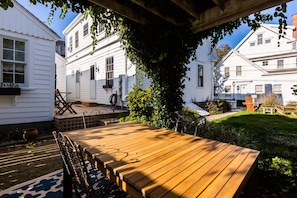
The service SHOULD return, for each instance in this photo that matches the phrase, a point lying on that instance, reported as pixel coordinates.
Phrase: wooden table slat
(154, 162)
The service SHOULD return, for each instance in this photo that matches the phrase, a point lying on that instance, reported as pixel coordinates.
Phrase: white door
(92, 83)
(77, 84)
(243, 89)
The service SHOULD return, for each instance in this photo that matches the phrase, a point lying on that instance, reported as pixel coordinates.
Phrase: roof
(197, 15)
(26, 23)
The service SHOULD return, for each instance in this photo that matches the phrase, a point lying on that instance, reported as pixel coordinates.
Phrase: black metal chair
(86, 179)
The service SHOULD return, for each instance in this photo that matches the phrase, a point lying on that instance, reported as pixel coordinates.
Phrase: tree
(222, 50)
(160, 49)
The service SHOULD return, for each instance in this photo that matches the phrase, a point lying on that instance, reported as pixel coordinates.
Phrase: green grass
(275, 136)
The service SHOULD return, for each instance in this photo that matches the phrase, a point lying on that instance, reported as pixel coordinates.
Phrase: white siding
(80, 59)
(254, 72)
(60, 64)
(36, 102)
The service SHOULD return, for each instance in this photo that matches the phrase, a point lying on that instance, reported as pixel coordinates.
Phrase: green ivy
(158, 48)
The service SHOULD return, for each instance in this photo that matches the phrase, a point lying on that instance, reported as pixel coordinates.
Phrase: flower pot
(10, 91)
(30, 134)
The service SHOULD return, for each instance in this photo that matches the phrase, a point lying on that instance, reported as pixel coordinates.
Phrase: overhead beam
(122, 9)
(187, 5)
(234, 9)
(220, 3)
(156, 12)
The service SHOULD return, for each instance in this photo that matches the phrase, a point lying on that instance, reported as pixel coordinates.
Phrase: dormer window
(260, 39)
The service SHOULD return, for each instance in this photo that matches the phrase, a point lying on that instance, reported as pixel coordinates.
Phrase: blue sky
(58, 25)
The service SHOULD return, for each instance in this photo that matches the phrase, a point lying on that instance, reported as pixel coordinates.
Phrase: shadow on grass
(275, 136)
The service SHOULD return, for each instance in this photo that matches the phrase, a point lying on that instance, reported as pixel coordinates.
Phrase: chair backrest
(74, 164)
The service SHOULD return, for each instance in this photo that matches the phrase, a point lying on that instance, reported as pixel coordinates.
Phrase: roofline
(54, 34)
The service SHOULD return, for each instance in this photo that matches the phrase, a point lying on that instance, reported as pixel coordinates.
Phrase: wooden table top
(154, 162)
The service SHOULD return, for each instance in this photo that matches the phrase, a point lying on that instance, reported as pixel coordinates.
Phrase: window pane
(7, 43)
(8, 54)
(7, 78)
(19, 68)
(20, 46)
(20, 56)
(19, 78)
(7, 67)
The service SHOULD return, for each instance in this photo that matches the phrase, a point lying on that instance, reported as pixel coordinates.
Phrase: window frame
(109, 72)
(238, 70)
(200, 74)
(70, 44)
(259, 89)
(86, 29)
(277, 88)
(265, 63)
(76, 39)
(259, 39)
(227, 71)
(101, 28)
(16, 66)
(92, 72)
(280, 64)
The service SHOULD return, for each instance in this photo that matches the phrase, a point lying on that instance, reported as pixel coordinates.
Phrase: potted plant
(9, 89)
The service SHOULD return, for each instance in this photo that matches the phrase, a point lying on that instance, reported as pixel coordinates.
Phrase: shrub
(215, 106)
(139, 102)
(269, 100)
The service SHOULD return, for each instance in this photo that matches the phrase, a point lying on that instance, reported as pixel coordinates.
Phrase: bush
(269, 100)
(139, 102)
(215, 106)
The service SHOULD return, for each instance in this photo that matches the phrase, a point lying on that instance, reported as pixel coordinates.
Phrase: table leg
(67, 183)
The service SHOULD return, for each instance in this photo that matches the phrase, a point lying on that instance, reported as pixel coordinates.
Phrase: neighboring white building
(94, 78)
(27, 59)
(257, 65)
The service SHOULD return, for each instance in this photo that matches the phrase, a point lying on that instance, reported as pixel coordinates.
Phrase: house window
(86, 29)
(76, 39)
(70, 44)
(277, 88)
(200, 75)
(280, 64)
(92, 72)
(109, 72)
(259, 89)
(252, 44)
(238, 70)
(101, 28)
(227, 72)
(228, 89)
(13, 61)
(267, 41)
(265, 63)
(260, 39)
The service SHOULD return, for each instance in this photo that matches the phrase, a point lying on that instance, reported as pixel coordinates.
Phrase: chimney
(294, 23)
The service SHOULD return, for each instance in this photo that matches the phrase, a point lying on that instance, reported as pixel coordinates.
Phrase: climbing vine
(158, 48)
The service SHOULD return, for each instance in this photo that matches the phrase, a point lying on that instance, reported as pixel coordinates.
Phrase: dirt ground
(23, 162)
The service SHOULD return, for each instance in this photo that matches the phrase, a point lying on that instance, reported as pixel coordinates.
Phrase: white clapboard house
(94, 78)
(258, 66)
(27, 55)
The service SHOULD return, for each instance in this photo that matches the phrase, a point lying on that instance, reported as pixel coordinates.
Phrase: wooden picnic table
(154, 162)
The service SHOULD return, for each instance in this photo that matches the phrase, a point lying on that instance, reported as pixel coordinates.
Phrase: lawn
(275, 136)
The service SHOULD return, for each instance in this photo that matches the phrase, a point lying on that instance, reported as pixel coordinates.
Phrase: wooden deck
(152, 162)
(87, 117)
